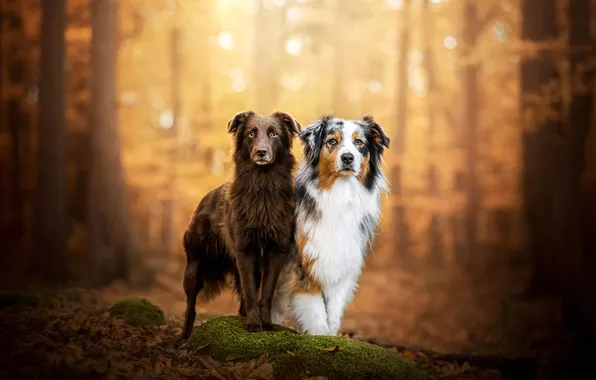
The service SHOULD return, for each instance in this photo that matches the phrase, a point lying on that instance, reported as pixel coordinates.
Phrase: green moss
(138, 312)
(18, 299)
(354, 360)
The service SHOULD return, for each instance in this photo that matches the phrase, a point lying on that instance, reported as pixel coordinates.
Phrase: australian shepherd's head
(336, 148)
(262, 140)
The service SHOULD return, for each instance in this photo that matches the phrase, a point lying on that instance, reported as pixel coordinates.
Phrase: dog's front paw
(253, 326)
(267, 326)
(266, 319)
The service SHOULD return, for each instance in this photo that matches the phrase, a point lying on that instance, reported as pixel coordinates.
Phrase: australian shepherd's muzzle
(245, 227)
(338, 187)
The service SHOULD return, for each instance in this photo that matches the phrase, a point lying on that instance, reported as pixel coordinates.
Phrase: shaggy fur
(338, 187)
(244, 228)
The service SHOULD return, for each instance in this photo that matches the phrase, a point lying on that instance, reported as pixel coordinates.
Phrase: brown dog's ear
(289, 122)
(377, 131)
(239, 120)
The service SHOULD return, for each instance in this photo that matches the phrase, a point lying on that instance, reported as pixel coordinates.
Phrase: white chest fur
(338, 239)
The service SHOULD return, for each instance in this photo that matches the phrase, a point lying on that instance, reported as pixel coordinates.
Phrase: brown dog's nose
(261, 152)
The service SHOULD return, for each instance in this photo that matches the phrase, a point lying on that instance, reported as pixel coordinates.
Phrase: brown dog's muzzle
(261, 153)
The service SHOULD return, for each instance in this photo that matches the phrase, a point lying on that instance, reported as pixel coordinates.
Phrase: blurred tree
(471, 29)
(435, 234)
(538, 73)
(400, 212)
(266, 57)
(111, 241)
(51, 209)
(566, 209)
(169, 237)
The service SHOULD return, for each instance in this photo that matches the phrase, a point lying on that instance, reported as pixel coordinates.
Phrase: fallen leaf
(118, 322)
(214, 363)
(247, 368)
(264, 371)
(291, 353)
(216, 374)
(117, 334)
(333, 349)
(205, 363)
(466, 367)
(408, 355)
(76, 350)
(75, 327)
(158, 368)
(233, 356)
(188, 371)
(262, 359)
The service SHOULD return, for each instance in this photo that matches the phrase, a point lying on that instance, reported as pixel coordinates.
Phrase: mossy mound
(295, 355)
(19, 299)
(138, 312)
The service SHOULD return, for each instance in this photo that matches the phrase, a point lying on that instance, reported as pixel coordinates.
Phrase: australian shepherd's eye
(273, 134)
(332, 142)
(251, 135)
(358, 142)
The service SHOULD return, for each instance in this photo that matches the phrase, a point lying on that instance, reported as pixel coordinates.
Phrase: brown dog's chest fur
(258, 211)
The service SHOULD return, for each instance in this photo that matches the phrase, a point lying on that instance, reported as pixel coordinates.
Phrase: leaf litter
(70, 335)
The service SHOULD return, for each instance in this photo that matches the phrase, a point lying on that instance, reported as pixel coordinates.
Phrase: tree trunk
(111, 241)
(470, 99)
(402, 78)
(567, 191)
(339, 101)
(268, 45)
(399, 212)
(51, 207)
(169, 218)
(539, 25)
(435, 233)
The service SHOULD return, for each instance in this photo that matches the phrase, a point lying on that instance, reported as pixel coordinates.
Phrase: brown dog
(245, 227)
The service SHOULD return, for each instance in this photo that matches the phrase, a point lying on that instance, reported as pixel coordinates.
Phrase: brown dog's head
(262, 138)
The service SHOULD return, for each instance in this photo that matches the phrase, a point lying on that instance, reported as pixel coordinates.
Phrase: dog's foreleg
(193, 283)
(242, 308)
(273, 265)
(246, 269)
(281, 300)
(337, 298)
(308, 310)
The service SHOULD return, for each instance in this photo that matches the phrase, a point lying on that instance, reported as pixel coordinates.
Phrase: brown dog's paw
(253, 326)
(267, 326)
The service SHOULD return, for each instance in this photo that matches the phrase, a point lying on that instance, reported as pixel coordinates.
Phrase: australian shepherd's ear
(313, 137)
(376, 131)
(239, 121)
(291, 124)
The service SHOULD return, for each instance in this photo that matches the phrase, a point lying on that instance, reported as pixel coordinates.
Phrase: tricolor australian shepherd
(338, 187)
(245, 227)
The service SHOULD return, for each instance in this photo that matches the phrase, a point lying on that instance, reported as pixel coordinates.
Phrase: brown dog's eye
(251, 135)
(332, 142)
(358, 142)
(273, 134)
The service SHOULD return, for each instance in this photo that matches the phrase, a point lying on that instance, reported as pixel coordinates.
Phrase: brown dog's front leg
(246, 265)
(273, 265)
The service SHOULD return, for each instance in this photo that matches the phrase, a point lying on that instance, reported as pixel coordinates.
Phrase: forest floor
(70, 335)
(453, 326)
